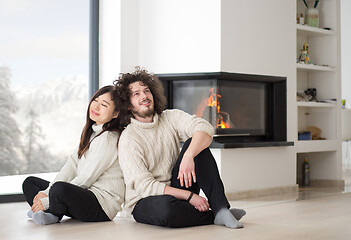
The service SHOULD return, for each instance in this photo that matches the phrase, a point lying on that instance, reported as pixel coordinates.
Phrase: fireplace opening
(222, 119)
(233, 108)
(242, 108)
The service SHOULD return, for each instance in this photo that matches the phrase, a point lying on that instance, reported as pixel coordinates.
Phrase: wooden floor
(324, 216)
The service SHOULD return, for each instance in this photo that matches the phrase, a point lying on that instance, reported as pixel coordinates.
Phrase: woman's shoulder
(113, 134)
(107, 139)
(110, 135)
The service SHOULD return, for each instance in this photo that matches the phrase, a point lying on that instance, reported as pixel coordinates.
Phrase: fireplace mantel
(251, 144)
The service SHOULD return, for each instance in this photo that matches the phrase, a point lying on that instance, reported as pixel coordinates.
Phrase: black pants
(66, 199)
(166, 210)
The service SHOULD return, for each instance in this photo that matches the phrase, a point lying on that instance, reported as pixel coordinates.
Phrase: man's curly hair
(121, 85)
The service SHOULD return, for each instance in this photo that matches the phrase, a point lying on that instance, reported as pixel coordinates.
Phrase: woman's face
(101, 109)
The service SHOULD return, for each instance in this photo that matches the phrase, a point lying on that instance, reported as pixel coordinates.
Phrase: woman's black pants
(166, 210)
(66, 199)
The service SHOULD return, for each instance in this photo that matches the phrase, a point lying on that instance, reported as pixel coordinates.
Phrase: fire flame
(213, 101)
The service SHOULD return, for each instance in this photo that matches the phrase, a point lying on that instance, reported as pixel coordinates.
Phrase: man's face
(142, 102)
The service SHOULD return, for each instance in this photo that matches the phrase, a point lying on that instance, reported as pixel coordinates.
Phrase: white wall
(179, 35)
(129, 35)
(160, 35)
(119, 38)
(245, 169)
(346, 51)
(110, 41)
(257, 36)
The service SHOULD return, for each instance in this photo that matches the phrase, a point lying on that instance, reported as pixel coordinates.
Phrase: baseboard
(291, 190)
(12, 198)
(324, 183)
(327, 183)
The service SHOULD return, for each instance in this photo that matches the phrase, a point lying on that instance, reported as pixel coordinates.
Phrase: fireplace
(245, 110)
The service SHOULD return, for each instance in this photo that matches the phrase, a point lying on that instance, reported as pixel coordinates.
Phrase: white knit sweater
(148, 152)
(97, 170)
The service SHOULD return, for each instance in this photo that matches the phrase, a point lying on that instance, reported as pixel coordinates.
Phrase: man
(162, 185)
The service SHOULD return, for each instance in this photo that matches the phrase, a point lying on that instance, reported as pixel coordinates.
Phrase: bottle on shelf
(302, 19)
(306, 173)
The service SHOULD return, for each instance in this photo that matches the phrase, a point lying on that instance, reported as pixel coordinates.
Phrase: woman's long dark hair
(112, 125)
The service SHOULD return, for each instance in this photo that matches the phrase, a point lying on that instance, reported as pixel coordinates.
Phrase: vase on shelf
(312, 17)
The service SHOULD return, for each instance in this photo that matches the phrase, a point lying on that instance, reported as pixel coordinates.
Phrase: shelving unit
(316, 146)
(311, 67)
(313, 31)
(316, 104)
(323, 74)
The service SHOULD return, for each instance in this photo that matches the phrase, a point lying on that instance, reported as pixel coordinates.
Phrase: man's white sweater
(97, 170)
(148, 152)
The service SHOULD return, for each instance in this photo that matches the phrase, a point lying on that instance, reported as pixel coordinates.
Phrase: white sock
(30, 213)
(44, 218)
(225, 217)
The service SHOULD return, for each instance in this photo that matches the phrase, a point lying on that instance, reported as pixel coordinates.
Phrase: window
(44, 68)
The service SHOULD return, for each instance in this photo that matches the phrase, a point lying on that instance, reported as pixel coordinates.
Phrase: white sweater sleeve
(186, 124)
(101, 155)
(135, 171)
(67, 173)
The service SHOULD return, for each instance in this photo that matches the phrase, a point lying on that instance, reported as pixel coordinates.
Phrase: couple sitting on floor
(158, 183)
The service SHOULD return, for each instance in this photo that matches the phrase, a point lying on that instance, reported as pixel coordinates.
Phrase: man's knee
(157, 210)
(169, 211)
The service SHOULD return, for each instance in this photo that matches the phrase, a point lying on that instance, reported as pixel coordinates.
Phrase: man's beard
(144, 114)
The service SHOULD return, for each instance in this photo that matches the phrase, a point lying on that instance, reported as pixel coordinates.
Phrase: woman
(90, 185)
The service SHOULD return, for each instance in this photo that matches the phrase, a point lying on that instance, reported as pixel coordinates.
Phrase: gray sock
(238, 213)
(30, 213)
(44, 218)
(225, 217)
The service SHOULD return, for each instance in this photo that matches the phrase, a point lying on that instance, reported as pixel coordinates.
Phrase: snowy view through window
(43, 83)
(40, 124)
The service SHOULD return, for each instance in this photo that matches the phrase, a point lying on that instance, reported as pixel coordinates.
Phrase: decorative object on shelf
(304, 135)
(312, 14)
(343, 103)
(301, 19)
(301, 96)
(305, 173)
(304, 57)
(312, 17)
(304, 1)
(315, 3)
(311, 93)
(316, 132)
